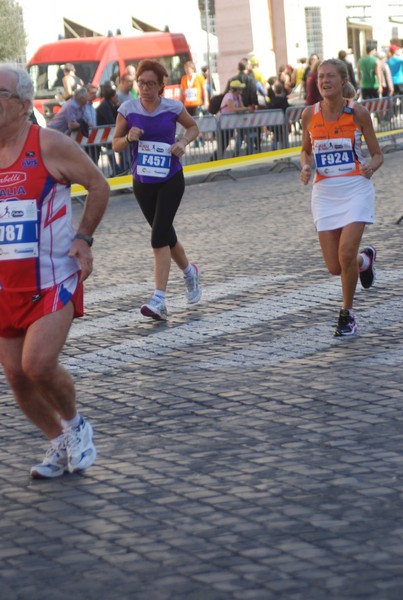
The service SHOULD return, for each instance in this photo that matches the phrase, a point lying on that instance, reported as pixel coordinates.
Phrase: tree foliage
(13, 39)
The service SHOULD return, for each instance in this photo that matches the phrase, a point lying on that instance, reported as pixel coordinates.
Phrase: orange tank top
(192, 89)
(336, 145)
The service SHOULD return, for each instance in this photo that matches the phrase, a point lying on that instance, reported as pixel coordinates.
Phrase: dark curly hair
(155, 67)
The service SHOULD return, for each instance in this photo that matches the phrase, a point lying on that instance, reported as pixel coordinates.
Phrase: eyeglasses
(146, 84)
(6, 95)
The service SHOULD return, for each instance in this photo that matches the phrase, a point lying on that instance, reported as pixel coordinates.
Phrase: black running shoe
(346, 324)
(368, 276)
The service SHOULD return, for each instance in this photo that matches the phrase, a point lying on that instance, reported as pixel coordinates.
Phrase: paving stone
(244, 452)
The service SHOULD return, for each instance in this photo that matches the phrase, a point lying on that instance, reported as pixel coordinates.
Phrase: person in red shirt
(312, 91)
(43, 263)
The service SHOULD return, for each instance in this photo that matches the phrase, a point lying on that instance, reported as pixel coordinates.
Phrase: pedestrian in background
(232, 103)
(278, 102)
(313, 58)
(107, 112)
(249, 89)
(43, 265)
(350, 70)
(210, 85)
(259, 78)
(73, 114)
(90, 114)
(148, 125)
(71, 82)
(125, 87)
(312, 90)
(194, 92)
(386, 76)
(343, 197)
(369, 74)
(131, 71)
(285, 77)
(395, 63)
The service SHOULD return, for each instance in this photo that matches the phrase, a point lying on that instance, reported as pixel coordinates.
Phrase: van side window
(175, 67)
(110, 73)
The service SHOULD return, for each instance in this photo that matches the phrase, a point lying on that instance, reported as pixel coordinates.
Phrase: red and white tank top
(36, 231)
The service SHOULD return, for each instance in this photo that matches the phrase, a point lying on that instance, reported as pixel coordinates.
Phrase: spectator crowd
(376, 73)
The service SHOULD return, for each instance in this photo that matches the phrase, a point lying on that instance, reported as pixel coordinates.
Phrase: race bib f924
(334, 157)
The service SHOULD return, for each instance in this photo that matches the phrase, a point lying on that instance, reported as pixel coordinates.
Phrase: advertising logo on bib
(12, 179)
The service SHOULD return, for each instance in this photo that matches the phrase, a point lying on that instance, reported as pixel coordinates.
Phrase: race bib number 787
(18, 229)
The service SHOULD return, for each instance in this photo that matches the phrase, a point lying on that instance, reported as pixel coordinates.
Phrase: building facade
(221, 32)
(281, 32)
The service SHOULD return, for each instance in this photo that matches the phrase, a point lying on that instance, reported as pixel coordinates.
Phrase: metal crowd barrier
(240, 134)
(251, 133)
(231, 135)
(203, 149)
(98, 146)
(293, 116)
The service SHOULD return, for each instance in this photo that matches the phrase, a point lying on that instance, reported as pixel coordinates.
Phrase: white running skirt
(339, 201)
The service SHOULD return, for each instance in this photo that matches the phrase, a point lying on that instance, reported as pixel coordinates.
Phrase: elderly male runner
(43, 263)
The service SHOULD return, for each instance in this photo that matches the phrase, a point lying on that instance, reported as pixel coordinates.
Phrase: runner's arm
(306, 147)
(123, 136)
(191, 132)
(68, 163)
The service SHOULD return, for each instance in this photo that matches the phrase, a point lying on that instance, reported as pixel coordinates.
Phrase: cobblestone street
(244, 452)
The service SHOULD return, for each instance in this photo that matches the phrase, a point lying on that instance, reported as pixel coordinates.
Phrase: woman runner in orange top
(343, 198)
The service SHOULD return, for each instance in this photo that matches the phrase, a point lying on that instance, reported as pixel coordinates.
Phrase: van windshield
(173, 64)
(47, 78)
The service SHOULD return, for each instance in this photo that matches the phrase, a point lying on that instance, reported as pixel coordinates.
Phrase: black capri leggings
(159, 203)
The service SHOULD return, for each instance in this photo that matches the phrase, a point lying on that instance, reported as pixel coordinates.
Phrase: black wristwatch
(85, 237)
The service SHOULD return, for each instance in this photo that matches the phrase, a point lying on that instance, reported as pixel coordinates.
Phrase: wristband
(83, 236)
(127, 138)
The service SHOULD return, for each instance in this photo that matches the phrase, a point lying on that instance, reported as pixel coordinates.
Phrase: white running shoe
(193, 291)
(155, 309)
(81, 452)
(53, 465)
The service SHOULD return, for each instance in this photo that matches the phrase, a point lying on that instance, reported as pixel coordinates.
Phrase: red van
(100, 59)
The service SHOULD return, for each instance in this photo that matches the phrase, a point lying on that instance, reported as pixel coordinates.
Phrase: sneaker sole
(35, 474)
(147, 312)
(352, 334)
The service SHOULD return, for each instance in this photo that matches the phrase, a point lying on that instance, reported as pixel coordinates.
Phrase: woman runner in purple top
(148, 125)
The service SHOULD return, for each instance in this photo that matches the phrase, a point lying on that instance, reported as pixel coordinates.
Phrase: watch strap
(83, 236)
